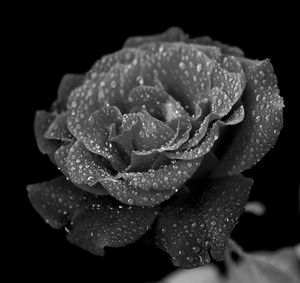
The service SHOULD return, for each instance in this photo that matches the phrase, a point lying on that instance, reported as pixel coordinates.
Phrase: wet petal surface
(184, 72)
(84, 166)
(263, 120)
(196, 228)
(92, 222)
(96, 134)
(169, 177)
(83, 101)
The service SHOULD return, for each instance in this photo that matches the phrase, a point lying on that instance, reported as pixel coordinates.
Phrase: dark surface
(47, 47)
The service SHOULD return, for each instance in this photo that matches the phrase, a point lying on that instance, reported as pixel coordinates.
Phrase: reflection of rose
(129, 134)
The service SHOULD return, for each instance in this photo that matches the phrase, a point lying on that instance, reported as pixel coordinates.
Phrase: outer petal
(173, 34)
(259, 130)
(61, 157)
(225, 48)
(42, 121)
(67, 84)
(197, 227)
(92, 222)
(58, 129)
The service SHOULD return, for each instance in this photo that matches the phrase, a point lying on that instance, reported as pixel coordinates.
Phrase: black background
(48, 44)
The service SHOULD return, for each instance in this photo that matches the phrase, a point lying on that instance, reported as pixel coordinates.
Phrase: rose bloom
(154, 139)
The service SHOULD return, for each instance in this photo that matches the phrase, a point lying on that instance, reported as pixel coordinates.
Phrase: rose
(161, 129)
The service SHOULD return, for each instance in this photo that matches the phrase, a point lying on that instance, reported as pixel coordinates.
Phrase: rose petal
(58, 129)
(124, 57)
(92, 222)
(154, 158)
(156, 101)
(173, 34)
(169, 177)
(42, 121)
(127, 194)
(152, 187)
(141, 131)
(84, 166)
(210, 138)
(197, 227)
(96, 134)
(184, 72)
(225, 48)
(83, 101)
(263, 120)
(61, 156)
(227, 87)
(141, 161)
(56, 201)
(209, 162)
(202, 148)
(67, 84)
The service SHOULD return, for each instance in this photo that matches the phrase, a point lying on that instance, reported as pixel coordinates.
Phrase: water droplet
(181, 65)
(194, 224)
(113, 84)
(199, 67)
(140, 80)
(196, 249)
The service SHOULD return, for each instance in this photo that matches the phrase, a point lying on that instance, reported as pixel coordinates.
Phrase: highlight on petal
(91, 222)
(68, 83)
(263, 120)
(42, 121)
(173, 34)
(196, 228)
